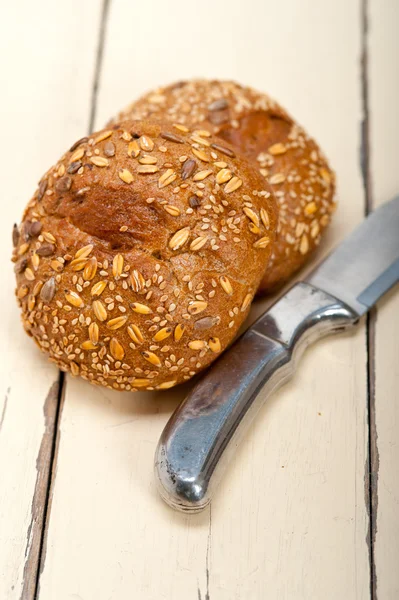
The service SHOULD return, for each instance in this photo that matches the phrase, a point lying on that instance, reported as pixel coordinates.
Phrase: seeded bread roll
(140, 252)
(263, 131)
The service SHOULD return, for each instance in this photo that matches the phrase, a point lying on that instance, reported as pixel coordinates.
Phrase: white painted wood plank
(384, 136)
(290, 519)
(45, 99)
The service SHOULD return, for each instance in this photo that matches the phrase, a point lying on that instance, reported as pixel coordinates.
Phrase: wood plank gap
(372, 462)
(50, 488)
(44, 462)
(99, 62)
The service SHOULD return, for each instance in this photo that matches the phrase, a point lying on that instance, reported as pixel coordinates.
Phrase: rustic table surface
(309, 509)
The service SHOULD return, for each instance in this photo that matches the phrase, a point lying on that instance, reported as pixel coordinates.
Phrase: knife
(205, 429)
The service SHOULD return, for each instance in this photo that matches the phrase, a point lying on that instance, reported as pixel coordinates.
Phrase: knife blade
(205, 429)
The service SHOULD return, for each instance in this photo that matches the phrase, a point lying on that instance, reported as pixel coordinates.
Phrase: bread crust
(262, 130)
(138, 256)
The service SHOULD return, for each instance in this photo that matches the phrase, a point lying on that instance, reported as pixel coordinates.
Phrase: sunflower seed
(83, 140)
(35, 229)
(74, 167)
(220, 104)
(219, 117)
(46, 250)
(42, 189)
(194, 202)
(48, 290)
(21, 265)
(15, 235)
(109, 149)
(188, 168)
(206, 323)
(223, 150)
(64, 184)
(172, 137)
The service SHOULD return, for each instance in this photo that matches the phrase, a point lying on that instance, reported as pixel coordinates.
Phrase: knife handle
(207, 426)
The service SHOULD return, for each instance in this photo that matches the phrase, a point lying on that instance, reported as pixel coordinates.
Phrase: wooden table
(310, 507)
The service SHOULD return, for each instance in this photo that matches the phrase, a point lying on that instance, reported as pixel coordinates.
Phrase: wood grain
(290, 519)
(383, 47)
(46, 86)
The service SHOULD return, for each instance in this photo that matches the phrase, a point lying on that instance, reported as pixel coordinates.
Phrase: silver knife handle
(207, 425)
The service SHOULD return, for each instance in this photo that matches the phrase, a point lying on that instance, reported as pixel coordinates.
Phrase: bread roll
(261, 129)
(140, 252)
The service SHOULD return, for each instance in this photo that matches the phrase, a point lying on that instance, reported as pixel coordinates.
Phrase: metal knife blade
(366, 264)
